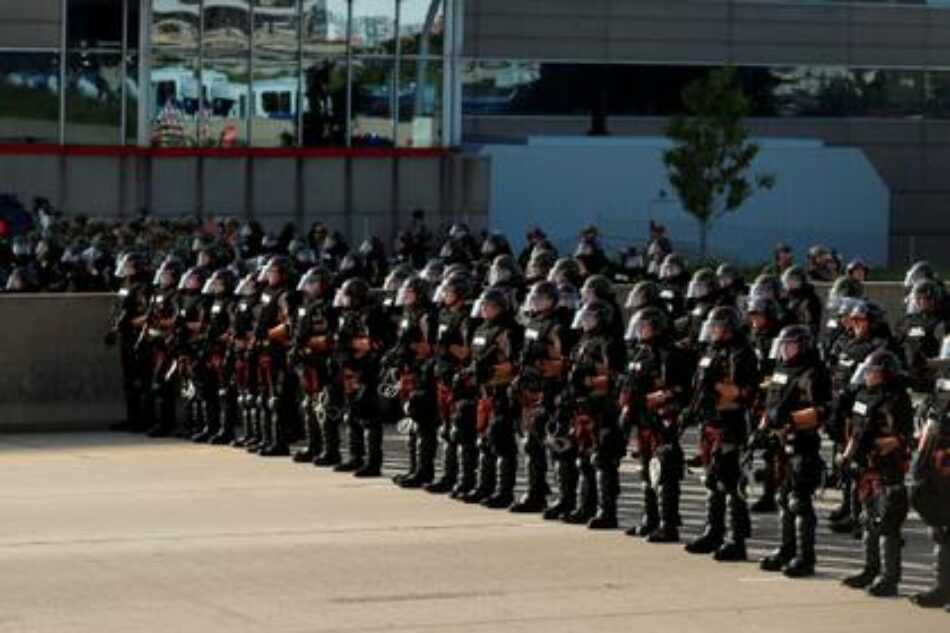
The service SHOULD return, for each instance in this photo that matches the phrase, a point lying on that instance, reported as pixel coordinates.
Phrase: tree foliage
(710, 160)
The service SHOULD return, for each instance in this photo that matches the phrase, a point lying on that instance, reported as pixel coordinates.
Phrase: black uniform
(930, 495)
(729, 362)
(919, 336)
(310, 358)
(800, 384)
(131, 303)
(219, 394)
(276, 387)
(656, 366)
(879, 414)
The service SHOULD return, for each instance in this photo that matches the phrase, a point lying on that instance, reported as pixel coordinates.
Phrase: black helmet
(504, 270)
(867, 310)
(843, 287)
(794, 279)
(495, 244)
(304, 258)
(727, 275)
(920, 270)
(726, 317)
(882, 361)
(353, 294)
(220, 283)
(169, 273)
(276, 264)
(703, 285)
(413, 292)
(315, 282)
(248, 286)
(597, 287)
(925, 290)
(453, 251)
(672, 267)
(643, 294)
(565, 270)
(540, 265)
(594, 316)
(651, 317)
(792, 344)
(542, 298)
(764, 306)
(491, 296)
(766, 286)
(857, 264)
(351, 264)
(433, 271)
(458, 230)
(193, 281)
(568, 297)
(131, 264)
(398, 274)
(458, 284)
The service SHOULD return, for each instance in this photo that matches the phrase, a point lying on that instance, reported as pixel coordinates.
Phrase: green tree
(709, 162)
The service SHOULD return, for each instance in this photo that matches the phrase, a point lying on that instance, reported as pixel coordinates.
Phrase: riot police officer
(128, 315)
(243, 359)
(673, 279)
(798, 393)
(654, 385)
(590, 406)
(495, 345)
(919, 334)
(701, 297)
(723, 388)
(540, 379)
(361, 335)
(218, 391)
(802, 303)
(930, 495)
(310, 357)
(878, 450)
(413, 382)
(456, 414)
(764, 326)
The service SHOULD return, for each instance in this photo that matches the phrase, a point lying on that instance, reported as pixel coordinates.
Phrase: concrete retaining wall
(57, 374)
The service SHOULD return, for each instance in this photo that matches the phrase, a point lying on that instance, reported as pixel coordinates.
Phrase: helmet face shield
(785, 350)
(698, 289)
(247, 287)
(341, 299)
(945, 348)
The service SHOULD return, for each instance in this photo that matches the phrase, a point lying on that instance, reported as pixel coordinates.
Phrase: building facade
(233, 87)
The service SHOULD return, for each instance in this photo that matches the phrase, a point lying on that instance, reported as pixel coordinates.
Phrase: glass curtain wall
(286, 73)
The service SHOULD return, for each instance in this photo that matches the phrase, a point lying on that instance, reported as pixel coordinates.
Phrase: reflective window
(226, 25)
(373, 28)
(132, 97)
(29, 97)
(175, 23)
(422, 26)
(372, 122)
(94, 23)
(276, 99)
(93, 98)
(420, 103)
(222, 120)
(324, 103)
(175, 98)
(275, 26)
(324, 26)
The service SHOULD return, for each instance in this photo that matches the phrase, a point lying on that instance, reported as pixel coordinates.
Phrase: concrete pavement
(112, 532)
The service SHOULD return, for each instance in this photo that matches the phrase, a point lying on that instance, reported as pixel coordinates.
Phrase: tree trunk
(703, 235)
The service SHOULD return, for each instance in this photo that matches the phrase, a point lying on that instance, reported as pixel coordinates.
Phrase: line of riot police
(493, 366)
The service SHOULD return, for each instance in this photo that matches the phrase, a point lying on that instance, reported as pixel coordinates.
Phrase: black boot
(650, 519)
(450, 470)
(669, 496)
(374, 453)
(357, 449)
(412, 451)
(872, 562)
(505, 488)
(567, 490)
(424, 472)
(468, 466)
(535, 497)
(740, 527)
(608, 489)
(587, 500)
(787, 549)
(711, 538)
(486, 478)
(885, 585)
(939, 595)
(330, 433)
(765, 504)
(311, 432)
(803, 564)
(843, 511)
